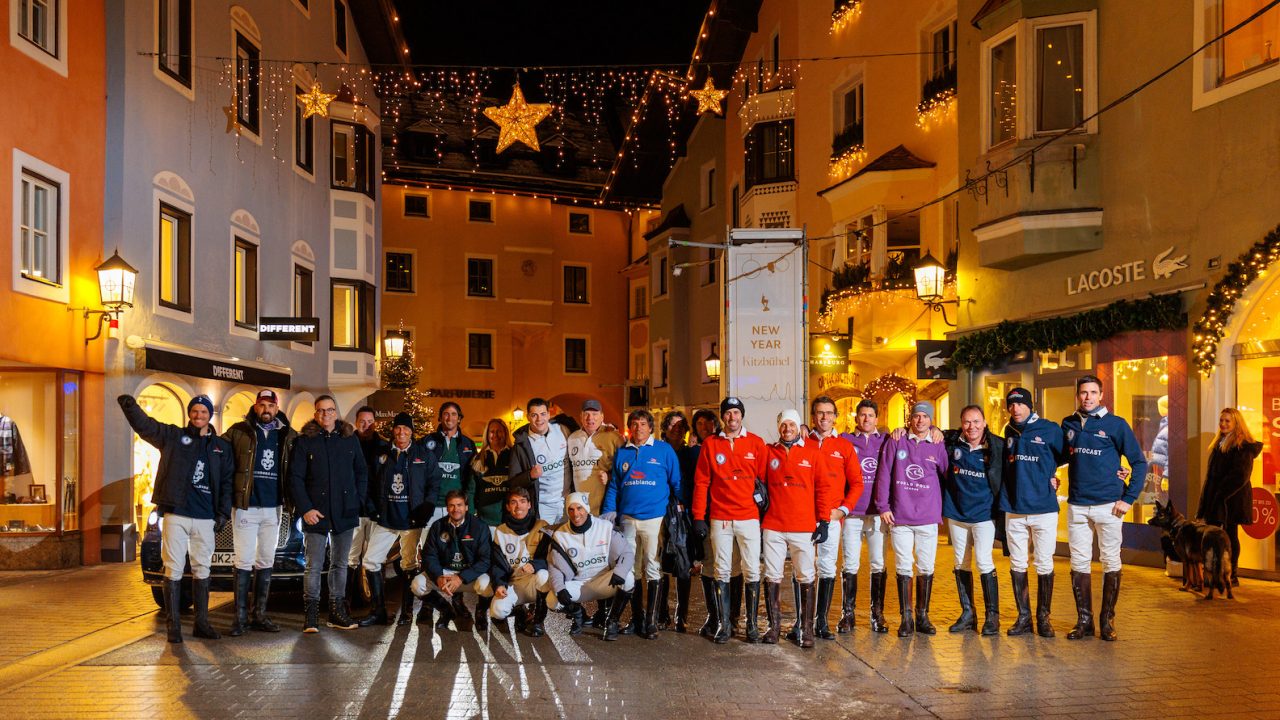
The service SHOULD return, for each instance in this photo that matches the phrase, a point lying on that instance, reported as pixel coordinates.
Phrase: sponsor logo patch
(902, 454)
(915, 472)
(720, 458)
(774, 463)
(186, 439)
(957, 454)
(869, 465)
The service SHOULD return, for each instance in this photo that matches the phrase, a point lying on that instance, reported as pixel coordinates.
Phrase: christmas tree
(402, 374)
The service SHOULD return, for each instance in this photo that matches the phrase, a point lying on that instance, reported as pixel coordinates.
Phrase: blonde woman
(490, 467)
(1227, 498)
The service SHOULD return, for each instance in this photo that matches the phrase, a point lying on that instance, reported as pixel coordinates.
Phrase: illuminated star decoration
(316, 101)
(233, 118)
(518, 120)
(709, 97)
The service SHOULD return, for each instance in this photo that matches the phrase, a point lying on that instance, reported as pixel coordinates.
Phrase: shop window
(165, 405)
(39, 451)
(248, 79)
(1141, 396)
(236, 408)
(303, 136)
(173, 40)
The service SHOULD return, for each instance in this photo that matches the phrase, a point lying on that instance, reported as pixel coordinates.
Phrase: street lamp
(712, 362)
(931, 277)
(517, 415)
(115, 289)
(393, 344)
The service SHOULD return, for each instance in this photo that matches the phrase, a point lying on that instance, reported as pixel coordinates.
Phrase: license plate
(223, 558)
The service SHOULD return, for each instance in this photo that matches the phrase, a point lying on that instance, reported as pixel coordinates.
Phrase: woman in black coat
(1227, 497)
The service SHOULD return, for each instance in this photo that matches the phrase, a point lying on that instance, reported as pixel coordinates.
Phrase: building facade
(51, 200)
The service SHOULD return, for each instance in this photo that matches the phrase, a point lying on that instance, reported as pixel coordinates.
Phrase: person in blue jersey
(646, 476)
(970, 494)
(1097, 500)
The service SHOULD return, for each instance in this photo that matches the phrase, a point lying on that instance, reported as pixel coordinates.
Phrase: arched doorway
(234, 409)
(304, 410)
(167, 404)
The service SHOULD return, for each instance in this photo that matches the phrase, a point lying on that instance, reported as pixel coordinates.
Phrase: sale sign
(1271, 431)
(1266, 513)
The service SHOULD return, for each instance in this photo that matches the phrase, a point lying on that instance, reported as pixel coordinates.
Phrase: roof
(899, 158)
(677, 218)
(378, 26)
(988, 7)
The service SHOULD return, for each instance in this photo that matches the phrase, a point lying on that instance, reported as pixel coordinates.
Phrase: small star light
(709, 97)
(233, 119)
(518, 120)
(316, 101)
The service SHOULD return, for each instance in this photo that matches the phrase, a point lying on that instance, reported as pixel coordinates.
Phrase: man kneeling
(518, 574)
(456, 555)
(591, 562)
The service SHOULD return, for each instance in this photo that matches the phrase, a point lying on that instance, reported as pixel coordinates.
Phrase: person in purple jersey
(909, 496)
(862, 524)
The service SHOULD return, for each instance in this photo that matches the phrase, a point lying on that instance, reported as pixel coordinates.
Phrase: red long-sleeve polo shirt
(844, 469)
(799, 495)
(727, 470)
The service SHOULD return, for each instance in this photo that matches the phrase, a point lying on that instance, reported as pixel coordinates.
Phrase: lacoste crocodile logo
(1163, 267)
(934, 360)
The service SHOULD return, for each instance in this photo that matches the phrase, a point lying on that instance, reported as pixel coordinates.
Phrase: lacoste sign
(1161, 266)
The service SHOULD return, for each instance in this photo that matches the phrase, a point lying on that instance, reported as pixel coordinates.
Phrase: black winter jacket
(1227, 497)
(472, 540)
(178, 454)
(243, 437)
(423, 479)
(328, 473)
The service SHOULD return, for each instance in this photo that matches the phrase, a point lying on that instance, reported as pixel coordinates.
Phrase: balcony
(770, 95)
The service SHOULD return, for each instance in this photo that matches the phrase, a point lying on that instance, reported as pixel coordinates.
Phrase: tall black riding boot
(462, 619)
(440, 605)
(794, 633)
(826, 588)
(634, 626)
(808, 609)
(848, 597)
(406, 600)
(577, 618)
(355, 593)
(200, 592)
(924, 592)
(753, 611)
(712, 625)
(664, 609)
(1082, 590)
(682, 604)
(964, 588)
(261, 593)
(482, 612)
(1021, 599)
(735, 602)
(539, 616)
(241, 623)
(991, 601)
(378, 601)
(879, 582)
(908, 626)
(173, 610)
(652, 591)
(1107, 616)
(620, 600)
(773, 611)
(725, 629)
(1044, 605)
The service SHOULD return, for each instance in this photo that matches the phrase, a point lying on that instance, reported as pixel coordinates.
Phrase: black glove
(700, 529)
(617, 580)
(565, 598)
(219, 524)
(819, 533)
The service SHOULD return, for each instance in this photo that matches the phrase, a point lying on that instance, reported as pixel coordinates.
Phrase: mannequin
(13, 454)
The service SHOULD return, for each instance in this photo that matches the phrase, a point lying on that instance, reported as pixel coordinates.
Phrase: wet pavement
(88, 643)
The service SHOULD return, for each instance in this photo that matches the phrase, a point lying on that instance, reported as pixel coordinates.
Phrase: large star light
(316, 101)
(518, 120)
(709, 97)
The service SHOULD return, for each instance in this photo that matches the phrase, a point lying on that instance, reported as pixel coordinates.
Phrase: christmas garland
(981, 349)
(888, 384)
(1211, 326)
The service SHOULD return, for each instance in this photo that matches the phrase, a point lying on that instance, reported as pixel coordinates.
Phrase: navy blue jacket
(421, 481)
(328, 473)
(1095, 444)
(1032, 456)
(178, 453)
(971, 491)
(472, 541)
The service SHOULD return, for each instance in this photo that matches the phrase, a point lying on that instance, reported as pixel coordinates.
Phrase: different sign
(828, 353)
(1163, 265)
(933, 359)
(167, 361)
(289, 329)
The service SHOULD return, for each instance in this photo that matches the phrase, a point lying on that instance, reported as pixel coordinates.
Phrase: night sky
(551, 32)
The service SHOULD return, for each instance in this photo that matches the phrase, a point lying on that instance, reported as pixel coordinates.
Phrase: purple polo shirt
(909, 480)
(868, 447)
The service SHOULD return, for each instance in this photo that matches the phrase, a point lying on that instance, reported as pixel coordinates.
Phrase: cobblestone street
(90, 645)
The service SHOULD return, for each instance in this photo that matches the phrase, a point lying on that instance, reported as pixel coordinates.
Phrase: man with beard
(541, 460)
(402, 487)
(373, 447)
(261, 444)
(456, 554)
(518, 574)
(591, 452)
(589, 561)
(453, 453)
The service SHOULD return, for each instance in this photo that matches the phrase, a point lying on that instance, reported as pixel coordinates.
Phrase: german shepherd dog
(1204, 550)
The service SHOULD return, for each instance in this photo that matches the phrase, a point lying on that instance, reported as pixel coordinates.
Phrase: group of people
(553, 517)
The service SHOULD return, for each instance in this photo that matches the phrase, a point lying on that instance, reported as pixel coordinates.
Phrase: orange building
(508, 297)
(51, 194)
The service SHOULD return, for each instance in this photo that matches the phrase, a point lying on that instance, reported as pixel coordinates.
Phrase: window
(640, 302)
(303, 136)
(580, 223)
(43, 484)
(1252, 47)
(711, 265)
(660, 356)
(38, 229)
(660, 272)
(849, 121)
(416, 206)
(775, 56)
(351, 322)
(1060, 77)
(479, 351)
(769, 153)
(943, 59)
(399, 272)
(245, 291)
(575, 284)
(1003, 96)
(575, 355)
(340, 26)
(480, 277)
(248, 82)
(735, 198)
(173, 40)
(303, 299)
(480, 210)
(354, 160)
(174, 266)
(38, 23)
(708, 186)
(903, 243)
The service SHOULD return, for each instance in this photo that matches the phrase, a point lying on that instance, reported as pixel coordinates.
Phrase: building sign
(1266, 513)
(1271, 419)
(1162, 266)
(829, 354)
(166, 361)
(765, 326)
(289, 329)
(386, 404)
(933, 359)
(460, 393)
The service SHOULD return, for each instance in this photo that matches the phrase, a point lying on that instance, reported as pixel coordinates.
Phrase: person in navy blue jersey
(970, 494)
(1097, 500)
